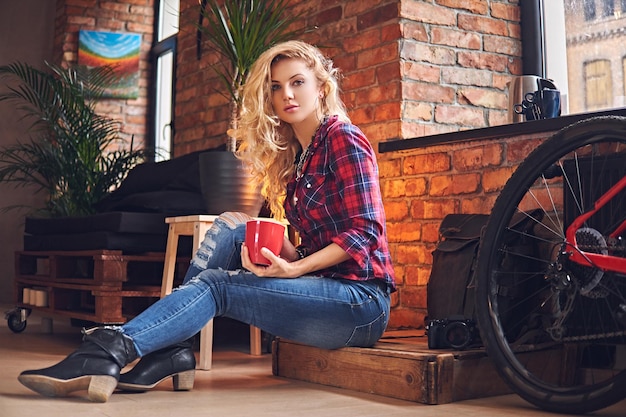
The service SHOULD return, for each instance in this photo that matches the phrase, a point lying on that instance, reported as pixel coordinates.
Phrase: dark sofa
(132, 218)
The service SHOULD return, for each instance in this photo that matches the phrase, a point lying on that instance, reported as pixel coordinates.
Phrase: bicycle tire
(556, 347)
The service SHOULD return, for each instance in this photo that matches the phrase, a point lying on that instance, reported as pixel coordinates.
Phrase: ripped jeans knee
(221, 246)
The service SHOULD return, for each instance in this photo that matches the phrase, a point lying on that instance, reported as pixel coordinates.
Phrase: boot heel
(101, 387)
(183, 381)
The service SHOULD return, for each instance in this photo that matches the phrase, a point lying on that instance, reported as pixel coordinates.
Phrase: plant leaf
(71, 151)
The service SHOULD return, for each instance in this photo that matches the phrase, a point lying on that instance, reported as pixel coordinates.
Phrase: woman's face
(295, 92)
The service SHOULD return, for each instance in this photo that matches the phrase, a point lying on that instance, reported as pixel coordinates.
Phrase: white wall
(556, 52)
(26, 34)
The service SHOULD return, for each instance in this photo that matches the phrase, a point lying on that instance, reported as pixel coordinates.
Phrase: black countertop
(524, 128)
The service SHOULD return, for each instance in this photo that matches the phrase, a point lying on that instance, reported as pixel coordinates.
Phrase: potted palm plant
(238, 31)
(72, 154)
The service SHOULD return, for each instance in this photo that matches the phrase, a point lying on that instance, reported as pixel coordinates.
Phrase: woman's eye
(298, 82)
(275, 87)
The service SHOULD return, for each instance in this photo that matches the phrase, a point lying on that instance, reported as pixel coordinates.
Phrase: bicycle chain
(612, 244)
(614, 249)
(592, 336)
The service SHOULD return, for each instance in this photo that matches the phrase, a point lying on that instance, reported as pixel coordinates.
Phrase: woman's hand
(288, 251)
(331, 255)
(278, 267)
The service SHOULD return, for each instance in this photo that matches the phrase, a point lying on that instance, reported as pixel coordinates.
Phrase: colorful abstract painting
(120, 50)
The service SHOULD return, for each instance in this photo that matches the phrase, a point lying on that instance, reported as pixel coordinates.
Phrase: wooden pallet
(100, 286)
(399, 366)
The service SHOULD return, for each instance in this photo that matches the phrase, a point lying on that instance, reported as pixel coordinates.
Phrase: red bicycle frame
(597, 260)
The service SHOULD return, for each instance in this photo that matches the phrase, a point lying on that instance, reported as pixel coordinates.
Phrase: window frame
(159, 48)
(535, 48)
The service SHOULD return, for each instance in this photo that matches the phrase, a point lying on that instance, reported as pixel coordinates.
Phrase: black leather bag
(450, 289)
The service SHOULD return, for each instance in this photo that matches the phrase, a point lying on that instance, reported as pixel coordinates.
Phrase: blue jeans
(318, 311)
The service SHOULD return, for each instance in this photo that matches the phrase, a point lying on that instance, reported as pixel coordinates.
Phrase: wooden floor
(238, 385)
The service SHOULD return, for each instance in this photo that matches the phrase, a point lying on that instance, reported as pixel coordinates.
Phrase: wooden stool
(196, 226)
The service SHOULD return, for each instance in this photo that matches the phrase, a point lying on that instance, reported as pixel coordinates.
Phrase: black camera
(452, 333)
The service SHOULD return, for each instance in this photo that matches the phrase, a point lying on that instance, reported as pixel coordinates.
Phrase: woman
(317, 170)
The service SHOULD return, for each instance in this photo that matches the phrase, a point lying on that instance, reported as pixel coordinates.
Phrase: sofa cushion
(154, 176)
(171, 187)
(125, 242)
(169, 202)
(115, 221)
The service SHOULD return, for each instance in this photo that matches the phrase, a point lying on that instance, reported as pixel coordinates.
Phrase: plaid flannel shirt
(338, 200)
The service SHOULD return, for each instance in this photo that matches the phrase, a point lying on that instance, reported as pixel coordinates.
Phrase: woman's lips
(290, 108)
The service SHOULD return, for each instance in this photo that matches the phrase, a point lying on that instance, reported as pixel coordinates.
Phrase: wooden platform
(399, 366)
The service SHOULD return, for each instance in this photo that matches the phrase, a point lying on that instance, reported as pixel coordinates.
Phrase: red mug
(263, 234)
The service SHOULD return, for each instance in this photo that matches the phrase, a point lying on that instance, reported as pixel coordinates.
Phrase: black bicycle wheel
(555, 329)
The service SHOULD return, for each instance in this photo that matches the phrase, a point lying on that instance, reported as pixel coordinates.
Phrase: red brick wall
(133, 16)
(456, 58)
(361, 36)
(423, 185)
(411, 68)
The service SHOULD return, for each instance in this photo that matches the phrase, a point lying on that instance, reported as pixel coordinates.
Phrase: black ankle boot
(94, 366)
(176, 361)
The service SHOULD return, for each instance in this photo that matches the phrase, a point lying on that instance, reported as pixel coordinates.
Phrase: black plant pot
(226, 184)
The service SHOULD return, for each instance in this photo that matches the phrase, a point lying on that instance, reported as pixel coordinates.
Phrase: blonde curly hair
(267, 144)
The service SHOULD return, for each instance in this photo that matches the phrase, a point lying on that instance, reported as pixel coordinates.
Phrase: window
(584, 46)
(598, 90)
(589, 8)
(624, 76)
(164, 61)
(608, 8)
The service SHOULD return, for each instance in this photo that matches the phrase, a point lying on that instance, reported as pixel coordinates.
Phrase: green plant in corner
(240, 32)
(73, 154)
